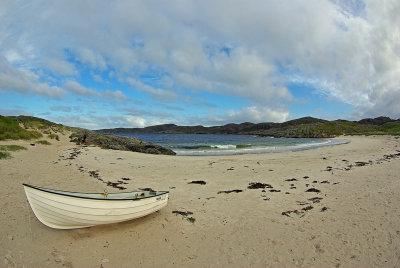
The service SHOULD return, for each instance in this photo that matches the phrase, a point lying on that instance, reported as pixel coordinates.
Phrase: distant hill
(376, 121)
(306, 127)
(16, 127)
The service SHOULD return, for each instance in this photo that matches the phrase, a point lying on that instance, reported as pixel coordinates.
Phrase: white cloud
(155, 93)
(25, 82)
(77, 89)
(60, 67)
(91, 121)
(251, 114)
(93, 59)
(114, 95)
(148, 113)
(348, 50)
(14, 111)
(13, 56)
(61, 108)
(135, 121)
(78, 120)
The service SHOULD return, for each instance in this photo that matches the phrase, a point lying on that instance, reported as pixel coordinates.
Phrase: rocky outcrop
(87, 137)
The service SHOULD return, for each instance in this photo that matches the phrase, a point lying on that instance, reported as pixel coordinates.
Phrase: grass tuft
(4, 155)
(10, 130)
(44, 142)
(11, 148)
(53, 136)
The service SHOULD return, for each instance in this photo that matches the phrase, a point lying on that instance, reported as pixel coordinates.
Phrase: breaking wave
(226, 144)
(250, 149)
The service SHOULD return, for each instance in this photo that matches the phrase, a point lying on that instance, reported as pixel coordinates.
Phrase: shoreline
(213, 145)
(340, 203)
(263, 150)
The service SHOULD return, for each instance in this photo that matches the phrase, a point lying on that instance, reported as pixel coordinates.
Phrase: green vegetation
(53, 136)
(44, 142)
(10, 129)
(11, 148)
(28, 127)
(354, 128)
(32, 122)
(4, 155)
(392, 128)
(306, 127)
(330, 129)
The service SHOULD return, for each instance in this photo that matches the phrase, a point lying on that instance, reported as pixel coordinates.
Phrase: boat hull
(67, 210)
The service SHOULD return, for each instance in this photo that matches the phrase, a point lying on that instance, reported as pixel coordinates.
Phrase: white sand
(359, 228)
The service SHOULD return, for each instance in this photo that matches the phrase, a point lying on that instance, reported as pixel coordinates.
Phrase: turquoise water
(222, 144)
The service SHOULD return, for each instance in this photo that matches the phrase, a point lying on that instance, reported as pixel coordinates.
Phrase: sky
(130, 63)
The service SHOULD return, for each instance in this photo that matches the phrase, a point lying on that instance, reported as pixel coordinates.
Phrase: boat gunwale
(71, 194)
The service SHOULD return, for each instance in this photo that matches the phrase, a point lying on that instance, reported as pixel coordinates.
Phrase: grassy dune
(11, 130)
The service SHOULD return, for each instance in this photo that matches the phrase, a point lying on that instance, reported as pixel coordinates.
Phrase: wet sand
(329, 207)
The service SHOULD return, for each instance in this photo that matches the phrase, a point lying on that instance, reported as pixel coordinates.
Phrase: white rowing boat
(69, 210)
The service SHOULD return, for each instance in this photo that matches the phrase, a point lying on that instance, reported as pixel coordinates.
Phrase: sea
(227, 144)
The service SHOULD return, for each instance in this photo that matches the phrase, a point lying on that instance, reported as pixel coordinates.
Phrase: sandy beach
(329, 207)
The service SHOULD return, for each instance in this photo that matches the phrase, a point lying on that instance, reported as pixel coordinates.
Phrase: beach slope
(335, 206)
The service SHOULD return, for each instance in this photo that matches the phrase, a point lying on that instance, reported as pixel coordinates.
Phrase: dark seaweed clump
(197, 182)
(185, 214)
(230, 191)
(259, 185)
